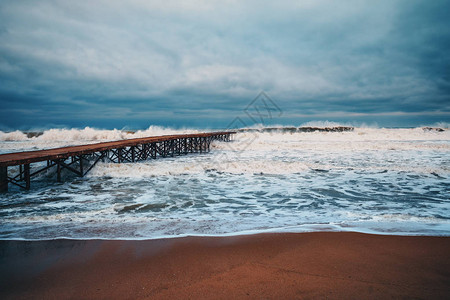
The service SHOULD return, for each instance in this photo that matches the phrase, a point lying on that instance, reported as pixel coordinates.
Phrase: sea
(284, 179)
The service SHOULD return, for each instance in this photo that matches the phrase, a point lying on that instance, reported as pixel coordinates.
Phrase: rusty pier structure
(81, 159)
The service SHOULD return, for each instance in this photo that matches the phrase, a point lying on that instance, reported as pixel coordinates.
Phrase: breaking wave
(315, 177)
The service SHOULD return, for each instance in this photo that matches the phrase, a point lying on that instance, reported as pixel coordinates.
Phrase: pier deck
(84, 157)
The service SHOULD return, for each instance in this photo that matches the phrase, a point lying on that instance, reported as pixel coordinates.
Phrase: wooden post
(153, 145)
(58, 171)
(81, 165)
(3, 179)
(27, 176)
(119, 155)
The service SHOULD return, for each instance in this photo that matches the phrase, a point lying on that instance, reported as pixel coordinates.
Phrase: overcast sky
(112, 64)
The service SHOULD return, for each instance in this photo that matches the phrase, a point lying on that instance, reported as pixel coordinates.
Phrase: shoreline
(267, 265)
(225, 235)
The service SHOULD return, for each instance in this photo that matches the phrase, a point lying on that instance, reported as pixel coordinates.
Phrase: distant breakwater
(298, 129)
(291, 129)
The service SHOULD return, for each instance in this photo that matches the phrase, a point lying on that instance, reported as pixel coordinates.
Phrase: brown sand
(265, 266)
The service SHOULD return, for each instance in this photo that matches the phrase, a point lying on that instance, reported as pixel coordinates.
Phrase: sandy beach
(265, 266)
(224, 150)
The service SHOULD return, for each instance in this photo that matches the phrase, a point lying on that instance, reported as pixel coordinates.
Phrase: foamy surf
(377, 180)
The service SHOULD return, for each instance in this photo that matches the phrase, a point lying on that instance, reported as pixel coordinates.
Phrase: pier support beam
(82, 161)
(58, 172)
(27, 176)
(3, 179)
(81, 165)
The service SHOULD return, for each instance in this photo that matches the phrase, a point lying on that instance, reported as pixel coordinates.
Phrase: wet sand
(264, 266)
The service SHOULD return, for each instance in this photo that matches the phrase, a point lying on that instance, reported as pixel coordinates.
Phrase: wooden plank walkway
(129, 150)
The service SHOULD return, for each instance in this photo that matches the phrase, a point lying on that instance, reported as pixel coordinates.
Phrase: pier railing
(81, 159)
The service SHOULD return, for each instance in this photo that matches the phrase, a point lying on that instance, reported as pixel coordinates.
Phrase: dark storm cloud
(177, 61)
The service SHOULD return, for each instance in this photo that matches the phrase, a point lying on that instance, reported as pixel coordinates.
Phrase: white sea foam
(53, 138)
(377, 180)
(13, 136)
(88, 134)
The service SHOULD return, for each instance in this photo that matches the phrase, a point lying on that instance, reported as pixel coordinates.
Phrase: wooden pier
(81, 159)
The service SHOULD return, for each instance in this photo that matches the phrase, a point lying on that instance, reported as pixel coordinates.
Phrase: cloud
(160, 56)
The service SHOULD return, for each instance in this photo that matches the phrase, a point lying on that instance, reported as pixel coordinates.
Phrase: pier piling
(3, 179)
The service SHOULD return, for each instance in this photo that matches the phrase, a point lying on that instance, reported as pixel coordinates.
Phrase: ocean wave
(89, 134)
(366, 179)
(258, 167)
(13, 136)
